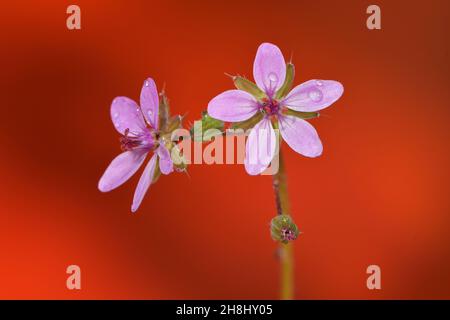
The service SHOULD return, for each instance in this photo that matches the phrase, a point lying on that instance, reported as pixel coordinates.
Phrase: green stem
(286, 253)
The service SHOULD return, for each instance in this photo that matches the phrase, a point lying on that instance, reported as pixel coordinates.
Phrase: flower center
(132, 141)
(270, 107)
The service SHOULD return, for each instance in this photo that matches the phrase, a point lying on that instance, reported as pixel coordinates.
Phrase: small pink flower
(269, 72)
(139, 127)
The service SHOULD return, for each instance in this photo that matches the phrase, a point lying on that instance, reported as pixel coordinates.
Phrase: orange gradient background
(377, 195)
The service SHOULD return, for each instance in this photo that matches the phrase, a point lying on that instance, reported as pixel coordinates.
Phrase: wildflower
(144, 129)
(271, 104)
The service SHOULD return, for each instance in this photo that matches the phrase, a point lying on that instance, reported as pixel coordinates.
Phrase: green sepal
(163, 111)
(157, 172)
(301, 115)
(288, 81)
(249, 123)
(178, 159)
(246, 85)
(173, 123)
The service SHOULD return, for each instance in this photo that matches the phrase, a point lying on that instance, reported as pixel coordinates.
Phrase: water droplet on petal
(273, 77)
(146, 83)
(319, 83)
(315, 95)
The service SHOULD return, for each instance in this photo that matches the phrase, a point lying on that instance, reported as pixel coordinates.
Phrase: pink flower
(269, 72)
(139, 127)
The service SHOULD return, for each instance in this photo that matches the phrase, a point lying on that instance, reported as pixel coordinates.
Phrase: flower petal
(125, 114)
(269, 68)
(121, 169)
(144, 183)
(301, 136)
(150, 102)
(233, 106)
(313, 95)
(260, 147)
(165, 161)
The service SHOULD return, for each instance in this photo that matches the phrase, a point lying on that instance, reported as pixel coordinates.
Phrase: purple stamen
(132, 141)
(270, 107)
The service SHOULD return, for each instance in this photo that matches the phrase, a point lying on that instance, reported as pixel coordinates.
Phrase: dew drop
(315, 95)
(273, 77)
(146, 83)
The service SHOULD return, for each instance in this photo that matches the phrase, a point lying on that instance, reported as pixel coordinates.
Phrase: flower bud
(246, 85)
(283, 229)
(288, 81)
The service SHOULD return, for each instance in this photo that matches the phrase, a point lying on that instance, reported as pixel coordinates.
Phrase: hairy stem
(286, 254)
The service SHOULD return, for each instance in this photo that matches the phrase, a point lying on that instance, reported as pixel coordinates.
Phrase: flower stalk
(286, 252)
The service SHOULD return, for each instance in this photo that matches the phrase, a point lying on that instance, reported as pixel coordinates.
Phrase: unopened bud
(283, 229)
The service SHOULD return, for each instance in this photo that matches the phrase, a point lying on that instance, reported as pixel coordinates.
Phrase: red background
(378, 195)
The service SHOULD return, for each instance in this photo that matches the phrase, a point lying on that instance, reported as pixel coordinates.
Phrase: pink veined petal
(125, 114)
(165, 161)
(260, 147)
(121, 169)
(313, 95)
(144, 183)
(269, 68)
(150, 102)
(301, 136)
(233, 106)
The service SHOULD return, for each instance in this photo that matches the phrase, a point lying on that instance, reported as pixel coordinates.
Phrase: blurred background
(377, 195)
